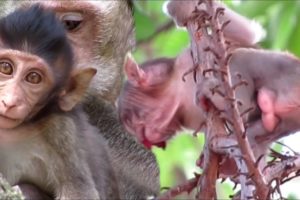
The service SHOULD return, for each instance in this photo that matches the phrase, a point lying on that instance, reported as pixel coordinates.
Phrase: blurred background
(158, 37)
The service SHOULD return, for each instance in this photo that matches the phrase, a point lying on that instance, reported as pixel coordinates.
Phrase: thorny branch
(225, 130)
(209, 176)
(185, 187)
(209, 50)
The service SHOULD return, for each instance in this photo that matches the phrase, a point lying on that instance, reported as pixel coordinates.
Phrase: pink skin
(266, 101)
(18, 96)
(278, 107)
(153, 106)
(156, 103)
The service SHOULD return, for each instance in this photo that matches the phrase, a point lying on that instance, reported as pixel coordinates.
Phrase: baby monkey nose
(8, 104)
(3, 102)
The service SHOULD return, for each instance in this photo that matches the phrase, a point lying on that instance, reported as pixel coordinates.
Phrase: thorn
(195, 11)
(225, 24)
(228, 58)
(216, 62)
(246, 125)
(241, 83)
(258, 160)
(228, 43)
(239, 103)
(217, 91)
(199, 128)
(238, 75)
(195, 75)
(229, 121)
(202, 16)
(193, 69)
(209, 70)
(206, 49)
(234, 187)
(228, 128)
(246, 112)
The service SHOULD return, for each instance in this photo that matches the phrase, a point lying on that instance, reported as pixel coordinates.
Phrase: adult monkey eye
(72, 21)
(33, 77)
(6, 68)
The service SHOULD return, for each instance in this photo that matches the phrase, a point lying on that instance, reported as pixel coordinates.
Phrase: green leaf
(286, 21)
(144, 25)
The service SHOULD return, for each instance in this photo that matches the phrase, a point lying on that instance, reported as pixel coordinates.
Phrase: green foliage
(183, 148)
(279, 18)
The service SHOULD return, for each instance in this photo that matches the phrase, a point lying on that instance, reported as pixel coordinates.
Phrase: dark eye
(72, 21)
(6, 68)
(33, 78)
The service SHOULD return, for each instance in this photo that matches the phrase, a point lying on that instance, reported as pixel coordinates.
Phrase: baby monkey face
(25, 81)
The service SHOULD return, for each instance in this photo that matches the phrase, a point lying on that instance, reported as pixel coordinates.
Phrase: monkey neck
(190, 114)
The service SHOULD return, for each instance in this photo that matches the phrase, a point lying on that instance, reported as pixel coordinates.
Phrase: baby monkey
(45, 138)
(156, 102)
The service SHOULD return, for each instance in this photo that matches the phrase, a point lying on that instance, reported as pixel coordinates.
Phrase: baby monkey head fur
(36, 68)
(37, 31)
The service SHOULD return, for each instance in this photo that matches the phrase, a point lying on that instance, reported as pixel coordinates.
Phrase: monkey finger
(270, 121)
(266, 101)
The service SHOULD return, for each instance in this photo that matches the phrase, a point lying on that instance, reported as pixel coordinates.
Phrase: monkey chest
(26, 162)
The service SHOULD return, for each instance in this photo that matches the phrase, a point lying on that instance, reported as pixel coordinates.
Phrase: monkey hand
(266, 101)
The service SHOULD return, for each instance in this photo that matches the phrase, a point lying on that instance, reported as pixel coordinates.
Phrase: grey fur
(59, 158)
(135, 167)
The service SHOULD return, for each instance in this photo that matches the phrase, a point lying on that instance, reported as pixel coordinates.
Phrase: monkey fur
(46, 139)
(155, 102)
(101, 40)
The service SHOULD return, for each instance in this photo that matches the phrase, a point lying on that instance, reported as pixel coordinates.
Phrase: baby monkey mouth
(8, 118)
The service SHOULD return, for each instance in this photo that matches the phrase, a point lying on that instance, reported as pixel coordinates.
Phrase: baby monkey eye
(33, 78)
(72, 21)
(6, 68)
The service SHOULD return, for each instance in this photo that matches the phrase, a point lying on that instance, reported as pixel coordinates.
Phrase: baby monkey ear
(75, 90)
(136, 76)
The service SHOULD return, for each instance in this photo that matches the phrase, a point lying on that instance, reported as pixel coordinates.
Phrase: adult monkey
(101, 33)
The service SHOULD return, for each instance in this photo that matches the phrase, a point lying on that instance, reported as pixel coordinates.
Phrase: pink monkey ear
(135, 75)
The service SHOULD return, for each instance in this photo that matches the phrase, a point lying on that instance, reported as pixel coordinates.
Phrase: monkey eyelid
(39, 72)
(10, 64)
(72, 21)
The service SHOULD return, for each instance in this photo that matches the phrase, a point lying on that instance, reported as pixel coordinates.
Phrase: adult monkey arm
(240, 30)
(105, 118)
(101, 34)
